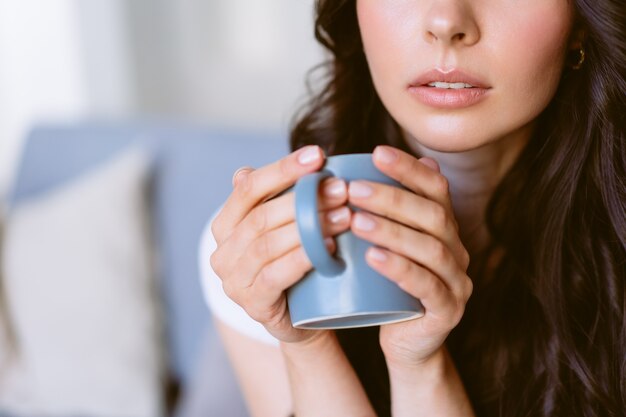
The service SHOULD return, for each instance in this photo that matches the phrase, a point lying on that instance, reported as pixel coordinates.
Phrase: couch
(183, 173)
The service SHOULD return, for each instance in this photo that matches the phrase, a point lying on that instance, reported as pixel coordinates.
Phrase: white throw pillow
(82, 299)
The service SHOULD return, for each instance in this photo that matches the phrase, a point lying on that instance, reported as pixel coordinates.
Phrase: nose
(451, 22)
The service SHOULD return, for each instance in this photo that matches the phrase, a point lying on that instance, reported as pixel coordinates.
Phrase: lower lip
(448, 98)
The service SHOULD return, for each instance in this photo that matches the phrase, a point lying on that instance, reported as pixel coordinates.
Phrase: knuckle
(395, 230)
(404, 272)
(300, 260)
(260, 248)
(216, 230)
(229, 290)
(468, 289)
(256, 314)
(261, 315)
(456, 317)
(458, 313)
(439, 217)
(414, 165)
(465, 258)
(439, 252)
(397, 197)
(432, 284)
(441, 185)
(268, 278)
(216, 263)
(258, 219)
(405, 268)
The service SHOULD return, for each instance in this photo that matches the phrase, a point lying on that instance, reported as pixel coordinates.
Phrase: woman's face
(510, 52)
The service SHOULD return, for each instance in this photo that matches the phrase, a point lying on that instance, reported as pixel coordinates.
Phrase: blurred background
(121, 122)
(229, 62)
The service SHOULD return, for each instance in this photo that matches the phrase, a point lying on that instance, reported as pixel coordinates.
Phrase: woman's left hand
(417, 245)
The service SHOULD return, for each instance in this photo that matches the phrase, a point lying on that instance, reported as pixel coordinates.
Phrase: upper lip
(454, 76)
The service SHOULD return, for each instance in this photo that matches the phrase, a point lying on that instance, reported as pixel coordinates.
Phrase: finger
(408, 208)
(420, 247)
(240, 174)
(280, 211)
(421, 283)
(277, 213)
(417, 176)
(431, 163)
(276, 243)
(274, 279)
(255, 186)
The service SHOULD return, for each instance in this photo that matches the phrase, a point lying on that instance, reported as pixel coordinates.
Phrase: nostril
(432, 36)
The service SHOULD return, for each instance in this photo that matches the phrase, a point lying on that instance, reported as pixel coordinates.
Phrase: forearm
(323, 382)
(431, 389)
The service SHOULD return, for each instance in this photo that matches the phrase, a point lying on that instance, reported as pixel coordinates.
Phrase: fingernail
(340, 215)
(329, 242)
(364, 222)
(359, 189)
(385, 155)
(377, 254)
(309, 154)
(430, 163)
(335, 188)
(240, 174)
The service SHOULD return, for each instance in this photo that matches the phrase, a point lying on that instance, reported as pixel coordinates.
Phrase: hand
(418, 247)
(258, 252)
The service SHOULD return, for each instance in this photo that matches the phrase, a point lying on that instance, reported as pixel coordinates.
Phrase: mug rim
(385, 317)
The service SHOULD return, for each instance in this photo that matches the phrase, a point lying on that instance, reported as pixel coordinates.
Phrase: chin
(448, 142)
(446, 133)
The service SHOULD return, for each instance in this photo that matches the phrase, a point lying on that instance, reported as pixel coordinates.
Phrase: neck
(473, 176)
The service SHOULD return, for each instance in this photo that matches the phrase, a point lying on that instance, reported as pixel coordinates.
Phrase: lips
(448, 90)
(452, 77)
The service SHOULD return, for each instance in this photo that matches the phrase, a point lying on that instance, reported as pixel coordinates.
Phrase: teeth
(456, 86)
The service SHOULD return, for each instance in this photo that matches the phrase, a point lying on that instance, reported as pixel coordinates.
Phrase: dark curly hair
(547, 335)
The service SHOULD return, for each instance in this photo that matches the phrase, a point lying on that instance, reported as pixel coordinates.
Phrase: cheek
(531, 56)
(391, 39)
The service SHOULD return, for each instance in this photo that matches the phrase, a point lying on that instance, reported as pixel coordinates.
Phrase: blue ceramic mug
(342, 291)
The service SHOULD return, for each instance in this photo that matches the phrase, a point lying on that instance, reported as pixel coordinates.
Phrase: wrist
(432, 368)
(432, 386)
(318, 368)
(321, 341)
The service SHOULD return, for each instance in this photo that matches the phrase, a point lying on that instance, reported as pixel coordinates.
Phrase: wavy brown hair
(547, 335)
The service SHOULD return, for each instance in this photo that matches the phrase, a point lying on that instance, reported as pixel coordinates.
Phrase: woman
(506, 121)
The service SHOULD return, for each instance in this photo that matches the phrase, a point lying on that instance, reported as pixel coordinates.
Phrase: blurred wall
(235, 63)
(40, 71)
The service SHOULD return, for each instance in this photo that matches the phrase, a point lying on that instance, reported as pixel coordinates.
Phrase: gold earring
(579, 64)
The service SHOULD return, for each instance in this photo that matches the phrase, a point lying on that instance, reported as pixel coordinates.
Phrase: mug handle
(309, 228)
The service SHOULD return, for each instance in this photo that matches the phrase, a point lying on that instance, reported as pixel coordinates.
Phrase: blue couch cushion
(54, 154)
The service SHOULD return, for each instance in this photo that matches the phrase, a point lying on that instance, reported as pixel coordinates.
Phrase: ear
(577, 38)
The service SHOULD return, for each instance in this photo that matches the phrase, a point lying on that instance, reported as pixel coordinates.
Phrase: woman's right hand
(258, 253)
